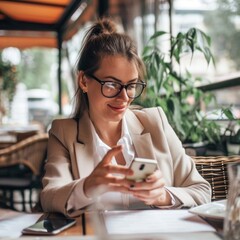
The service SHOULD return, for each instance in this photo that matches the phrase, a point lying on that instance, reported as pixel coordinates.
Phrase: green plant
(175, 89)
(8, 78)
(7, 86)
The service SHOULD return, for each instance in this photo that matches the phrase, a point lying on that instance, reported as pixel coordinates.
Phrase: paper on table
(177, 236)
(90, 237)
(153, 221)
(13, 222)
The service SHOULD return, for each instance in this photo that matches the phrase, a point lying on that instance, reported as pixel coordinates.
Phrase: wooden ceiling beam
(36, 3)
(69, 11)
(9, 24)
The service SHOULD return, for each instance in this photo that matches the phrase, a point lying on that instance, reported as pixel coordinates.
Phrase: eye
(132, 86)
(112, 85)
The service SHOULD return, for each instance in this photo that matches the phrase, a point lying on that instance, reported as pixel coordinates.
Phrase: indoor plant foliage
(175, 89)
(8, 81)
(8, 78)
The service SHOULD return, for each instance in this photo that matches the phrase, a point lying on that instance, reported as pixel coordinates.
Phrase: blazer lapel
(84, 147)
(142, 141)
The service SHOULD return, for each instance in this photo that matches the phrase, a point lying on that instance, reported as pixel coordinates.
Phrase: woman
(89, 155)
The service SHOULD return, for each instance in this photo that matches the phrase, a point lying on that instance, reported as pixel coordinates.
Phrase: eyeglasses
(111, 89)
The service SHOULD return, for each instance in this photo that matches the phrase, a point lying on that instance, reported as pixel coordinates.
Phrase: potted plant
(232, 136)
(174, 88)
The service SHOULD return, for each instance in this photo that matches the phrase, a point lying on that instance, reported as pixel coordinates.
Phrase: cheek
(95, 98)
(93, 92)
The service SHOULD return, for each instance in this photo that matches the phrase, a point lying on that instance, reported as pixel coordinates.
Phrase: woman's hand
(152, 190)
(103, 178)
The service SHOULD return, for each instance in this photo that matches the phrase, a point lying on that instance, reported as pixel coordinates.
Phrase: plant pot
(233, 144)
(233, 148)
(196, 149)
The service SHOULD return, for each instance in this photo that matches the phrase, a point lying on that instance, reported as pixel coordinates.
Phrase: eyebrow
(118, 80)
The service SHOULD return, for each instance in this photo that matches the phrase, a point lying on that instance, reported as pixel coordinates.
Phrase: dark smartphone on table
(49, 226)
(142, 168)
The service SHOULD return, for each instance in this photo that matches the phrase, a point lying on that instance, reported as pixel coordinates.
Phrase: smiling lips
(118, 108)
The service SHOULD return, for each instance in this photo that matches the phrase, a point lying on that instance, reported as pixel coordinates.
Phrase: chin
(116, 117)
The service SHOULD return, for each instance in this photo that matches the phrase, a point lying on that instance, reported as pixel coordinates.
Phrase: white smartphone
(50, 226)
(142, 167)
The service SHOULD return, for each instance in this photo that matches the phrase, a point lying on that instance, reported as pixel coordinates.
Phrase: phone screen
(49, 226)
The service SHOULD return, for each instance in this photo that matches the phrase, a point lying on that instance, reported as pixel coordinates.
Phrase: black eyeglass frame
(121, 88)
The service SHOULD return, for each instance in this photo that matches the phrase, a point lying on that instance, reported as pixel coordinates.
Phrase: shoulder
(63, 123)
(153, 117)
(150, 114)
(63, 127)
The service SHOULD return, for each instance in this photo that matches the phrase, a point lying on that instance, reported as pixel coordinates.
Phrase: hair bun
(104, 26)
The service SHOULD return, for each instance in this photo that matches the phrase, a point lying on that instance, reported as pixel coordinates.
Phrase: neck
(109, 133)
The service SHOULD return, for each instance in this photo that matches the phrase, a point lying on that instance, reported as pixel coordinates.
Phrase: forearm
(78, 200)
(54, 197)
(193, 195)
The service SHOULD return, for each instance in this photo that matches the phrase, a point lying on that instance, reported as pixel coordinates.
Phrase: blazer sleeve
(59, 182)
(179, 170)
(188, 185)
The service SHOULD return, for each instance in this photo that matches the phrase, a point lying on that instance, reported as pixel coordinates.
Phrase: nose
(123, 94)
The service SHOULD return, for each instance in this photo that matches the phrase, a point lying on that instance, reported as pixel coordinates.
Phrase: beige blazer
(70, 148)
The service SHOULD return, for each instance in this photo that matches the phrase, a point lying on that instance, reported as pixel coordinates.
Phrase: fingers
(114, 180)
(151, 191)
(157, 197)
(116, 169)
(148, 194)
(106, 167)
(153, 181)
(110, 154)
(153, 177)
(104, 176)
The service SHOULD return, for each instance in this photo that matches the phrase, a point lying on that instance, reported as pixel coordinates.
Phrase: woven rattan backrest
(30, 152)
(214, 170)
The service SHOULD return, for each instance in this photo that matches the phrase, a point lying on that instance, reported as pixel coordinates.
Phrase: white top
(101, 148)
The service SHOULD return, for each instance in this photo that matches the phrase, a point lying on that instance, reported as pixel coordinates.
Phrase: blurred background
(39, 45)
(40, 42)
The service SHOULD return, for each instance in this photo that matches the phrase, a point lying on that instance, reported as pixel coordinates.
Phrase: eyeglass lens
(112, 89)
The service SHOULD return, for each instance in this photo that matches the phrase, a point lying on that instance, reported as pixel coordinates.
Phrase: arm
(59, 184)
(63, 190)
(188, 185)
(177, 173)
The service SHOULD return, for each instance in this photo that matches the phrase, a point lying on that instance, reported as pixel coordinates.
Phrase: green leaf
(146, 50)
(228, 113)
(157, 34)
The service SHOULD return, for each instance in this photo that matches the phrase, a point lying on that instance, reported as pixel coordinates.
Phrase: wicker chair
(21, 169)
(214, 170)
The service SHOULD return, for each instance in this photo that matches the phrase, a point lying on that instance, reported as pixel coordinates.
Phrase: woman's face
(112, 68)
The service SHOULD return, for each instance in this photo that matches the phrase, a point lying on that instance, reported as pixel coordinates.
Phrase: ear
(82, 81)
